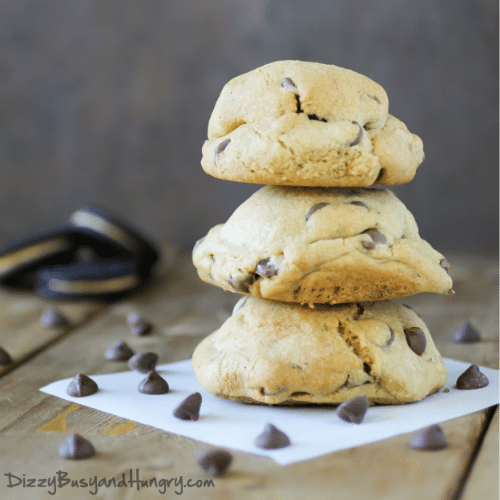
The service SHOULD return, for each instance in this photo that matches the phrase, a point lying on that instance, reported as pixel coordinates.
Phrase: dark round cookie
(109, 235)
(104, 279)
(20, 258)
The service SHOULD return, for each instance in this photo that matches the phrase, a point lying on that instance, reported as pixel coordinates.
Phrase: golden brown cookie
(318, 245)
(277, 353)
(308, 124)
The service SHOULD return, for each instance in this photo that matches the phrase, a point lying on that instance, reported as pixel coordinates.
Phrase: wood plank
(21, 333)
(183, 311)
(484, 479)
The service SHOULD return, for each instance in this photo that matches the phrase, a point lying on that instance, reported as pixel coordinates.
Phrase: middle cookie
(321, 245)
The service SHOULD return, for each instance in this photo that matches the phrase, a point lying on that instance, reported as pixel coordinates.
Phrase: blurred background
(107, 102)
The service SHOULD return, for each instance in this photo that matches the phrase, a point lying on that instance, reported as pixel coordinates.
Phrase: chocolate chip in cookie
(288, 83)
(415, 337)
(314, 208)
(266, 268)
(242, 284)
(222, 146)
(359, 204)
(358, 137)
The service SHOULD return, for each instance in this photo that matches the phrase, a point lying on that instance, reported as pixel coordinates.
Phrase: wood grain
(183, 311)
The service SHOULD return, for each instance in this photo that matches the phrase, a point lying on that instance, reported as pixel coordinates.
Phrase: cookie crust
(308, 124)
(311, 245)
(277, 353)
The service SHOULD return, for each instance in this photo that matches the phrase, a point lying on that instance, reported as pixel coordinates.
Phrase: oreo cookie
(110, 237)
(105, 279)
(20, 259)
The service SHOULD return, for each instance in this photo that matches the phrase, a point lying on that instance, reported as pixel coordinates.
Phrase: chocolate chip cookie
(279, 353)
(319, 245)
(308, 124)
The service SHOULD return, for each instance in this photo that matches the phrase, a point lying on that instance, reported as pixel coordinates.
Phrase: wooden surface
(183, 311)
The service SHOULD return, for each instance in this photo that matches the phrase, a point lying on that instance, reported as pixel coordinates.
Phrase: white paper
(313, 431)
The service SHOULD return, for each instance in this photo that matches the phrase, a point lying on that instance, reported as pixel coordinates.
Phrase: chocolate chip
(314, 208)
(243, 285)
(272, 438)
(353, 410)
(143, 362)
(119, 352)
(222, 146)
(288, 83)
(315, 117)
(429, 439)
(375, 98)
(391, 338)
(297, 100)
(76, 447)
(5, 358)
(466, 333)
(358, 137)
(415, 337)
(358, 203)
(266, 268)
(142, 327)
(445, 265)
(189, 409)
(380, 174)
(472, 378)
(153, 384)
(81, 386)
(375, 235)
(52, 318)
(215, 462)
(368, 245)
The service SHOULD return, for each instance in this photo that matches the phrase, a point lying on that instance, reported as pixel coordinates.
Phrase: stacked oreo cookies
(318, 252)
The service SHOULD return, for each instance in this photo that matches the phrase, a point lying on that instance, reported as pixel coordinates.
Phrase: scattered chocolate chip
(52, 318)
(472, 378)
(76, 447)
(133, 318)
(153, 384)
(119, 352)
(215, 462)
(222, 146)
(353, 410)
(81, 386)
(243, 285)
(266, 268)
(315, 117)
(375, 235)
(358, 203)
(445, 265)
(358, 137)
(415, 337)
(142, 327)
(272, 438)
(5, 358)
(429, 439)
(143, 362)
(314, 208)
(288, 83)
(189, 409)
(466, 333)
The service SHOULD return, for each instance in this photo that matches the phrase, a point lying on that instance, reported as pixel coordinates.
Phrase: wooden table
(184, 310)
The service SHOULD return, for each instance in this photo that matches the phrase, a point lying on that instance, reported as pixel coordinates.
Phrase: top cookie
(308, 124)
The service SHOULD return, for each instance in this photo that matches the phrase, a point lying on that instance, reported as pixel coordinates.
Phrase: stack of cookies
(318, 254)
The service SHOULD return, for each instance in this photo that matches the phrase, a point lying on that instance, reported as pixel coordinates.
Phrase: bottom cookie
(281, 353)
